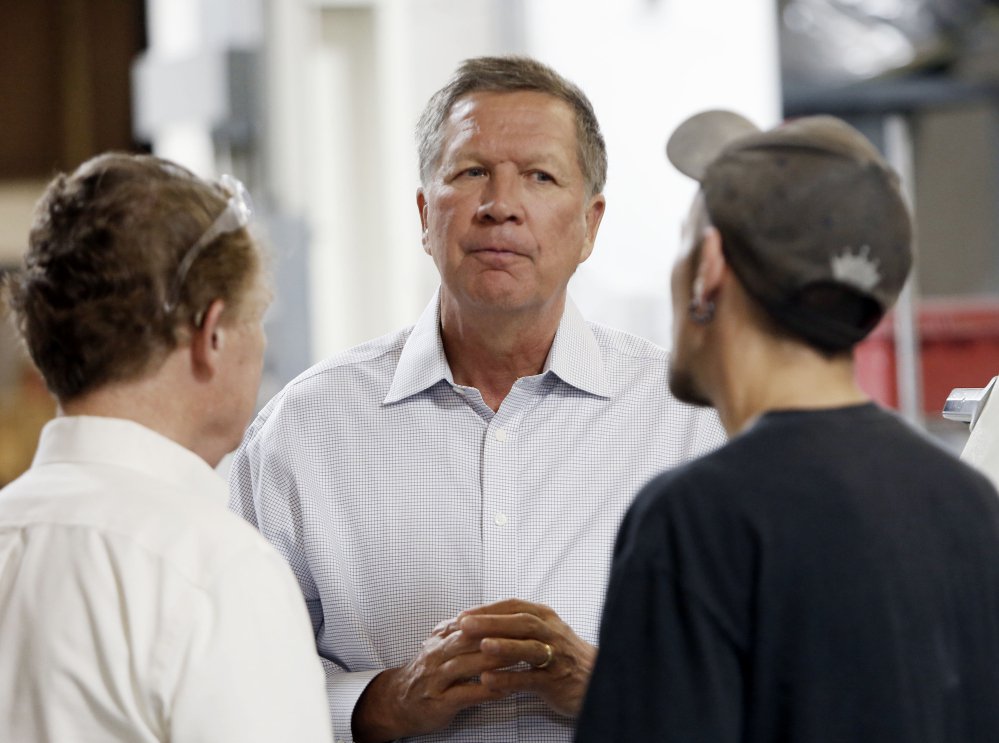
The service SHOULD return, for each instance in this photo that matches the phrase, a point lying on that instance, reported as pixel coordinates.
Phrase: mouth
(492, 249)
(496, 257)
(497, 251)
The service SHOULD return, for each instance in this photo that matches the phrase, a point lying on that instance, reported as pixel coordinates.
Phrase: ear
(207, 342)
(711, 267)
(594, 214)
(421, 204)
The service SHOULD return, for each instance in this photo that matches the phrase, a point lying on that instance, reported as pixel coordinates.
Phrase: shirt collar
(130, 445)
(422, 363)
(574, 356)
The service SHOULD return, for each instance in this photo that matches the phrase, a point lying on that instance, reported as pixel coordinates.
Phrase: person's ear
(421, 204)
(594, 214)
(207, 341)
(710, 268)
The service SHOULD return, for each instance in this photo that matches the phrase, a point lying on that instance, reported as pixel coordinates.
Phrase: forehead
(524, 118)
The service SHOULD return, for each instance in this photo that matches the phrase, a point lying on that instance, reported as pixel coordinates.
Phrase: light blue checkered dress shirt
(399, 498)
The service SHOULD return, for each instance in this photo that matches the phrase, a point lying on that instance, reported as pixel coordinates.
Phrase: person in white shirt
(133, 605)
(448, 495)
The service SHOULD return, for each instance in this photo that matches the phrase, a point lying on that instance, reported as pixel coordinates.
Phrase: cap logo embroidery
(858, 269)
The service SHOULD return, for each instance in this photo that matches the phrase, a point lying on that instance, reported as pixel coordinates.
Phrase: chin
(500, 292)
(684, 387)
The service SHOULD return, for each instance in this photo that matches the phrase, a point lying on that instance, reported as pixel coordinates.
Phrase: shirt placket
(499, 498)
(501, 491)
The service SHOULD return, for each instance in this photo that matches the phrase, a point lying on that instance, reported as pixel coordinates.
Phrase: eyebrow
(531, 160)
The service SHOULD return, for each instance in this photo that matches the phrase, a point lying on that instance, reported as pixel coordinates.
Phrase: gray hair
(510, 74)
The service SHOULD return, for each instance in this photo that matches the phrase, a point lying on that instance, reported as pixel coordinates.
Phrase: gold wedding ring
(548, 660)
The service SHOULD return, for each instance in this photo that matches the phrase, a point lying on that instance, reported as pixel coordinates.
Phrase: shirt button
(500, 518)
(500, 434)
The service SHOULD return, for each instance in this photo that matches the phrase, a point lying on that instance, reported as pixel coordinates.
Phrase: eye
(475, 171)
(542, 177)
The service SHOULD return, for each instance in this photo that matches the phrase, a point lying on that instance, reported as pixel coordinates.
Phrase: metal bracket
(965, 404)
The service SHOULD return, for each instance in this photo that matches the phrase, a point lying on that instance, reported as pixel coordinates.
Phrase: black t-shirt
(826, 576)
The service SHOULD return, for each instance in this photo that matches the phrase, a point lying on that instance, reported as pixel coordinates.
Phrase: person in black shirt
(830, 574)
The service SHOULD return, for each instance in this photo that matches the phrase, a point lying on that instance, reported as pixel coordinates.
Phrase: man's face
(683, 381)
(506, 215)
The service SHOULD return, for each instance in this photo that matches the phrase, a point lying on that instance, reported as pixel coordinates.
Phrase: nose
(501, 198)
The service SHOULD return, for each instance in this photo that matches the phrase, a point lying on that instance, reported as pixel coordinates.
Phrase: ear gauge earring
(701, 312)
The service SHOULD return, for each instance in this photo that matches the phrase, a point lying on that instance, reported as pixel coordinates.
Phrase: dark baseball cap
(812, 219)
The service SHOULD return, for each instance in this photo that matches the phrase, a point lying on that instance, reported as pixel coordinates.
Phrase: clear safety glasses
(235, 216)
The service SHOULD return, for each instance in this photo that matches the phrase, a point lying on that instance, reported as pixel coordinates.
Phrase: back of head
(812, 219)
(511, 74)
(98, 299)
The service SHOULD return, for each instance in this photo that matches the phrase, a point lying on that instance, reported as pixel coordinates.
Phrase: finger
(509, 652)
(517, 626)
(508, 682)
(446, 627)
(462, 695)
(508, 606)
(468, 667)
(562, 694)
(443, 625)
(456, 643)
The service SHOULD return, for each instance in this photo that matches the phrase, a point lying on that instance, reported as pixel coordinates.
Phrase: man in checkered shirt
(448, 495)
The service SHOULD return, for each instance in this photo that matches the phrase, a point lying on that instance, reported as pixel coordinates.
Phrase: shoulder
(918, 452)
(359, 374)
(637, 371)
(144, 526)
(691, 523)
(364, 361)
(694, 483)
(625, 347)
(699, 489)
(632, 366)
(208, 544)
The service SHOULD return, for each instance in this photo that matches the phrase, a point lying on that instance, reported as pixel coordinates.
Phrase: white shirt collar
(574, 356)
(123, 443)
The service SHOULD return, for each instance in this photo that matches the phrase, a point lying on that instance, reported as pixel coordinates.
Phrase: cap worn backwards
(812, 219)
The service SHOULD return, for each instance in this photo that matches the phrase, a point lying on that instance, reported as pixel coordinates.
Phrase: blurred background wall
(313, 102)
(64, 95)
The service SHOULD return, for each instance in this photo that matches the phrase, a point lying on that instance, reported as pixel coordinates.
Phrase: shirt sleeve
(665, 669)
(246, 669)
(343, 690)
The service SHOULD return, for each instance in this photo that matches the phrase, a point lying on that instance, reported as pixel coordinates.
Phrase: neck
(762, 373)
(157, 400)
(491, 351)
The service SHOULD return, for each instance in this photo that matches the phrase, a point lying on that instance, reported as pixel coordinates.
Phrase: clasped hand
(513, 632)
(478, 656)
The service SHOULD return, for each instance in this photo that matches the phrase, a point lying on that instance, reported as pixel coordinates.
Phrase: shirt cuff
(344, 689)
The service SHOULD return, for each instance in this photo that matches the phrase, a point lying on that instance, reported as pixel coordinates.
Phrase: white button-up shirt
(135, 607)
(400, 498)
